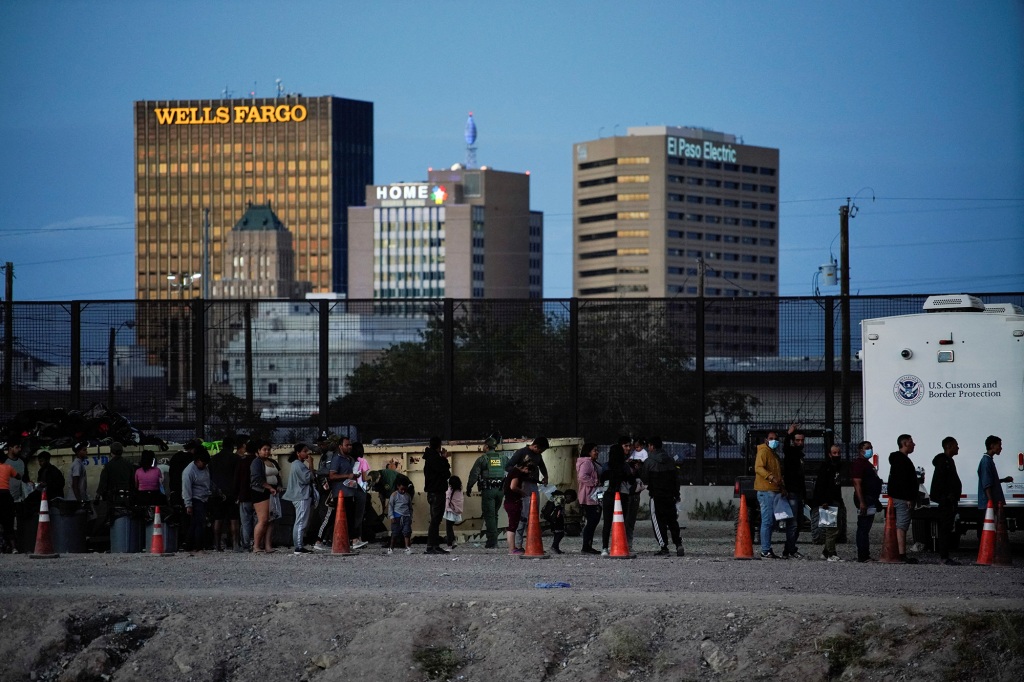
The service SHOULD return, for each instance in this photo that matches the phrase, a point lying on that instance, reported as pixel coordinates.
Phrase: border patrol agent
(487, 474)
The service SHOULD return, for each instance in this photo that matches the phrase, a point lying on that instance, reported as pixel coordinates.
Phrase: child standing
(400, 508)
(452, 510)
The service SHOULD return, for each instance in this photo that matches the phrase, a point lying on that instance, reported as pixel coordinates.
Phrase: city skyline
(917, 106)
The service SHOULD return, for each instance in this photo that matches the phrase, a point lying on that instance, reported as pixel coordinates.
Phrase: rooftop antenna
(226, 92)
(253, 92)
(280, 87)
(470, 141)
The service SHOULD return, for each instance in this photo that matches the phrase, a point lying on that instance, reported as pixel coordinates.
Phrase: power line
(76, 228)
(941, 242)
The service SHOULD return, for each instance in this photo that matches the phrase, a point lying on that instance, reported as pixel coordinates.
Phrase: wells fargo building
(310, 158)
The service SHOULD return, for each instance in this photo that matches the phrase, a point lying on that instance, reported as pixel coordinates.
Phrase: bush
(713, 511)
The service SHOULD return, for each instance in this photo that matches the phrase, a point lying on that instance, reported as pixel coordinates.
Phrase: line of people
(780, 485)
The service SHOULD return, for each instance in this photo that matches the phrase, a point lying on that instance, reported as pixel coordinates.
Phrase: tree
(509, 374)
(725, 408)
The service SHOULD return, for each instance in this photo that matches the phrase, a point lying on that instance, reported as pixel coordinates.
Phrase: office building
(464, 233)
(260, 259)
(200, 163)
(651, 209)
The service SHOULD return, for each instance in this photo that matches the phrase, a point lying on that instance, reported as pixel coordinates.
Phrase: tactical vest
(495, 465)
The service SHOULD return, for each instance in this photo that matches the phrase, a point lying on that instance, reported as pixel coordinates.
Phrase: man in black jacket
(532, 453)
(50, 477)
(660, 475)
(945, 491)
(436, 471)
(902, 489)
(829, 496)
(796, 483)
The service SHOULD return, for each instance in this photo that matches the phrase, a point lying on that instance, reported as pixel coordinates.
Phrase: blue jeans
(797, 504)
(766, 501)
(864, 522)
(302, 508)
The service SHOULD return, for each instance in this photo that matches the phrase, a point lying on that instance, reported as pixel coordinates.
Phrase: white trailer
(956, 369)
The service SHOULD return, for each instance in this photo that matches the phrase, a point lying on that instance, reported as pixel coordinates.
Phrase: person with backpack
(554, 514)
(488, 474)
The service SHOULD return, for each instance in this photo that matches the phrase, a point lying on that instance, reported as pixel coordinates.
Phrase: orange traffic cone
(620, 546)
(744, 543)
(986, 549)
(340, 545)
(534, 546)
(156, 547)
(1001, 554)
(44, 545)
(890, 545)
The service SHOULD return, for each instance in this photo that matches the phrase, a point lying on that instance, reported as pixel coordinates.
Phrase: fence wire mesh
(699, 376)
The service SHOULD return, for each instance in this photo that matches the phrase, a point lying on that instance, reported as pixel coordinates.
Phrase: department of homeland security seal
(908, 389)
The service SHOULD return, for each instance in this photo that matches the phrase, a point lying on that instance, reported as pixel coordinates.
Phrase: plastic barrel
(68, 523)
(126, 535)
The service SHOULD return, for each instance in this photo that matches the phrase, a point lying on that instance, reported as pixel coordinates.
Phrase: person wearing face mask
(867, 487)
(829, 495)
(768, 483)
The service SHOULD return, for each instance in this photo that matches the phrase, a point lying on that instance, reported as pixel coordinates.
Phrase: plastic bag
(781, 508)
(828, 518)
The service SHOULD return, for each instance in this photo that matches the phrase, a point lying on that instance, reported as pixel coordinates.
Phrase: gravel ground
(477, 615)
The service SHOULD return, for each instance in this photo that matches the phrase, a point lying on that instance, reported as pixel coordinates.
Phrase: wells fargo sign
(241, 113)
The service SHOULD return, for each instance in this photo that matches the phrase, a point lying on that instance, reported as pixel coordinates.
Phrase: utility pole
(844, 306)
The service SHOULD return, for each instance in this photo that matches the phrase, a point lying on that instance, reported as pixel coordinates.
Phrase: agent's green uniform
(489, 471)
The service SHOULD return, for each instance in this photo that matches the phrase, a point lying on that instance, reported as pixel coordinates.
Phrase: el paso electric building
(310, 158)
(650, 206)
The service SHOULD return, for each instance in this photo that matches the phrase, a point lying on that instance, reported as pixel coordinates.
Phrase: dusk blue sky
(920, 104)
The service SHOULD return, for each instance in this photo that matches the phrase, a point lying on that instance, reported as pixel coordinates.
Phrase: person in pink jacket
(588, 475)
(452, 510)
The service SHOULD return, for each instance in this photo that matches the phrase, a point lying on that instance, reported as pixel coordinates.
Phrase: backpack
(548, 511)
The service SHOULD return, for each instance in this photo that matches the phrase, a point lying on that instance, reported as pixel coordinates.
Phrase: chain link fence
(703, 375)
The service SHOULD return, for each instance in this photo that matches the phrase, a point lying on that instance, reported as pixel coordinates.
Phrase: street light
(110, 361)
(183, 281)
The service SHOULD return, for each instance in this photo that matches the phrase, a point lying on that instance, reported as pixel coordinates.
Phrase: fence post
(698, 471)
(247, 317)
(830, 367)
(574, 364)
(199, 361)
(324, 349)
(8, 384)
(76, 355)
(448, 366)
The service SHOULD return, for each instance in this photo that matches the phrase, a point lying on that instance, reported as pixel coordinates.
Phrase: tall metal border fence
(707, 375)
